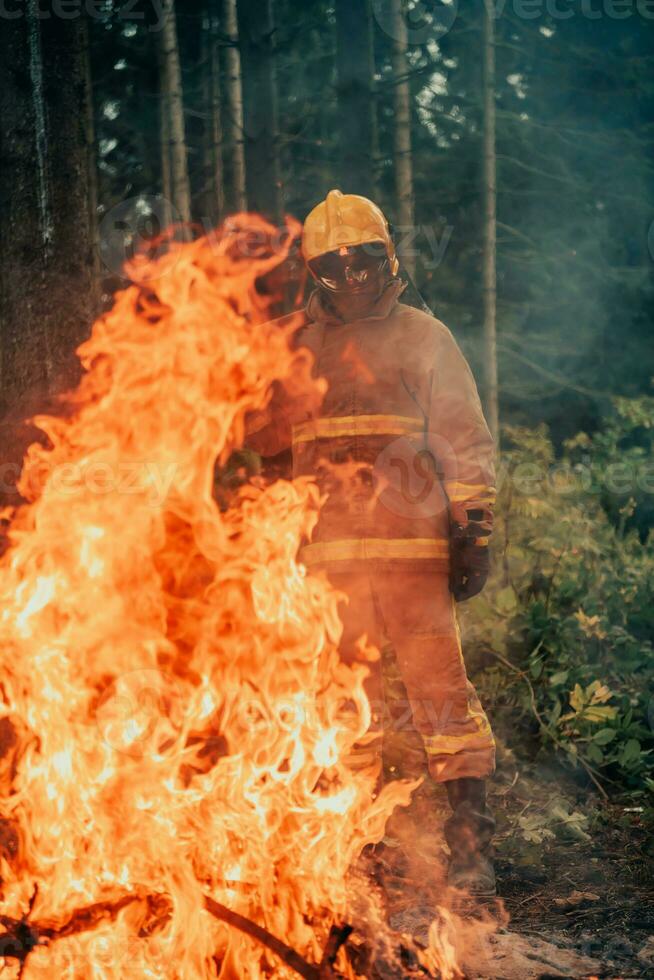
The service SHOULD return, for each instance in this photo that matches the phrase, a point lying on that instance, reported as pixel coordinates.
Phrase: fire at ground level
(552, 931)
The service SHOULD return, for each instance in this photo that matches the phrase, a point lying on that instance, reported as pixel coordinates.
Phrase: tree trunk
(490, 226)
(174, 107)
(236, 198)
(263, 171)
(92, 169)
(402, 135)
(355, 96)
(45, 236)
(164, 143)
(215, 132)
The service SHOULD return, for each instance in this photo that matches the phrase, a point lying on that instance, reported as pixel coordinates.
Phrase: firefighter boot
(469, 833)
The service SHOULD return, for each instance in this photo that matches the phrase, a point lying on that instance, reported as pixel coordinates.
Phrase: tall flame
(174, 716)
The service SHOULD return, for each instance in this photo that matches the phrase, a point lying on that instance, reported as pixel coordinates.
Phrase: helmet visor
(348, 269)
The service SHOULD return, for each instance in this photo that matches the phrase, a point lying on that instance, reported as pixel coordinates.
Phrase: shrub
(565, 627)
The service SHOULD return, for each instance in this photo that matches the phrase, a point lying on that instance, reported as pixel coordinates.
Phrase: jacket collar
(318, 311)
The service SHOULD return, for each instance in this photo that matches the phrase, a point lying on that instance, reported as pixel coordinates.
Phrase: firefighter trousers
(411, 617)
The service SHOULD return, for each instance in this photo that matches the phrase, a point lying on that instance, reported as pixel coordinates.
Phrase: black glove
(469, 559)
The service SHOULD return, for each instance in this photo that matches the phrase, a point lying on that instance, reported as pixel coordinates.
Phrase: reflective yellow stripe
(458, 492)
(481, 740)
(452, 744)
(357, 425)
(359, 549)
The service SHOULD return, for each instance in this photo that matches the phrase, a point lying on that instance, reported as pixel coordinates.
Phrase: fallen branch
(338, 936)
(23, 936)
(286, 954)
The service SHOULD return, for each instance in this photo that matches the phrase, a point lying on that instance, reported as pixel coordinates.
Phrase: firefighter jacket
(399, 446)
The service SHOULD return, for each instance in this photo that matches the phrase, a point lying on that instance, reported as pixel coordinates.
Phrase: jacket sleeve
(269, 431)
(458, 436)
(292, 400)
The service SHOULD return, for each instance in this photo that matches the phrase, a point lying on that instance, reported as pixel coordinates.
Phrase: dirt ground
(590, 885)
(574, 871)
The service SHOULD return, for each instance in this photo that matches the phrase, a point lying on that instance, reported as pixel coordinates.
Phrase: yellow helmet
(345, 221)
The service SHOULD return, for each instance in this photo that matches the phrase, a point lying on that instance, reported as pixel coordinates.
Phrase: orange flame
(358, 366)
(174, 715)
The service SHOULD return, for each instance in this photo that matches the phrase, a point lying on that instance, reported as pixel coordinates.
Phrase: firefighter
(403, 455)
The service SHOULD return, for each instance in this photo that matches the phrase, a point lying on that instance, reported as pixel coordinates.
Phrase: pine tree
(92, 168)
(45, 234)
(490, 225)
(173, 99)
(236, 194)
(356, 114)
(403, 157)
(217, 183)
(256, 26)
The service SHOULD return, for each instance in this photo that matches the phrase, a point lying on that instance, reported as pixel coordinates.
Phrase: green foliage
(557, 819)
(618, 462)
(565, 627)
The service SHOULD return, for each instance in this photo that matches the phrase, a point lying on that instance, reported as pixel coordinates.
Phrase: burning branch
(337, 936)
(23, 936)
